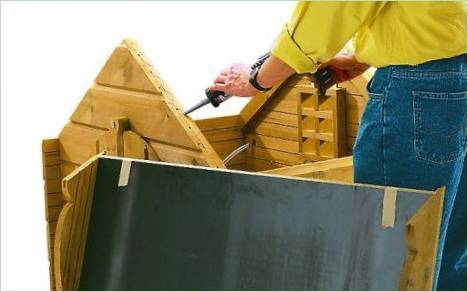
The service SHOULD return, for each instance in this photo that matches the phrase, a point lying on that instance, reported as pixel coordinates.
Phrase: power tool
(323, 79)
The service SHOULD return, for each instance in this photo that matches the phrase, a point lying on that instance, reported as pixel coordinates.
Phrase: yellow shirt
(384, 33)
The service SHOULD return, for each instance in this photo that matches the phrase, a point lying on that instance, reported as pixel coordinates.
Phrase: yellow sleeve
(317, 31)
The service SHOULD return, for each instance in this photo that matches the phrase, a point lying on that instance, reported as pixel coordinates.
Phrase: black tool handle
(216, 97)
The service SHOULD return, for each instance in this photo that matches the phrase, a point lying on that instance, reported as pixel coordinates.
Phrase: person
(413, 130)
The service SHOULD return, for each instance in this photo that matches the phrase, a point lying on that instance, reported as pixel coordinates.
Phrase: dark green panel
(185, 228)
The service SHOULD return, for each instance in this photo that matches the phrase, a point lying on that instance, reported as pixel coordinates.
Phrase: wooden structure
(131, 112)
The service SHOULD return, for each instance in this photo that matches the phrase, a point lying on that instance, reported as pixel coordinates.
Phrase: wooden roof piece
(129, 86)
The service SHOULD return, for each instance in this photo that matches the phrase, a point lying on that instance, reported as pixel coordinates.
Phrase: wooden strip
(275, 155)
(339, 169)
(319, 136)
(52, 213)
(50, 145)
(150, 118)
(317, 114)
(51, 158)
(85, 224)
(282, 105)
(52, 186)
(275, 130)
(53, 200)
(225, 122)
(421, 234)
(274, 117)
(52, 172)
(223, 135)
(75, 231)
(274, 143)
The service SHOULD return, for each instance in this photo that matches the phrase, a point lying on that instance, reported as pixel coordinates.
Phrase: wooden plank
(52, 186)
(122, 70)
(274, 117)
(52, 213)
(50, 145)
(339, 169)
(149, 117)
(54, 199)
(274, 143)
(170, 153)
(51, 158)
(78, 142)
(223, 135)
(225, 122)
(52, 172)
(421, 234)
(339, 124)
(275, 155)
(275, 130)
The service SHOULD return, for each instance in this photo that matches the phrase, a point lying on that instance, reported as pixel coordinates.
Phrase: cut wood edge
(422, 238)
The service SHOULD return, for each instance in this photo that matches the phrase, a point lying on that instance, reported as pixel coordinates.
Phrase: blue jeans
(413, 131)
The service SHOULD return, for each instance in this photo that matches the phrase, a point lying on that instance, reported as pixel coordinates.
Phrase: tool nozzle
(197, 106)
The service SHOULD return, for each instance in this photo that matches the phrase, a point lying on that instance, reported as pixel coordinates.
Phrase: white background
(50, 54)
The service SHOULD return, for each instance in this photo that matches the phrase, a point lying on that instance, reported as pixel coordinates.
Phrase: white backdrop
(50, 54)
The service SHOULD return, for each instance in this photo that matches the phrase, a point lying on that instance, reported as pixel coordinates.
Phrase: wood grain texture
(422, 233)
(72, 226)
(52, 195)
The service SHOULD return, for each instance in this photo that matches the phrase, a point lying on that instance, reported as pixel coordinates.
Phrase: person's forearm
(273, 71)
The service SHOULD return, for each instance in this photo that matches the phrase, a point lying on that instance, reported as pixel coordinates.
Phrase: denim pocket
(439, 126)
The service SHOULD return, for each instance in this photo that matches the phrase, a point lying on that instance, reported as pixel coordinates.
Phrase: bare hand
(235, 81)
(347, 63)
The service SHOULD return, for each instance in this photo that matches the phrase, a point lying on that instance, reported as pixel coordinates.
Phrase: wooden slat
(51, 158)
(225, 122)
(273, 117)
(274, 143)
(339, 169)
(54, 199)
(421, 234)
(50, 145)
(275, 155)
(275, 130)
(149, 117)
(223, 135)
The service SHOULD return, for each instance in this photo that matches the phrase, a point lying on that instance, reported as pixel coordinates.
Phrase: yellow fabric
(384, 33)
